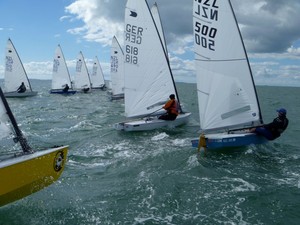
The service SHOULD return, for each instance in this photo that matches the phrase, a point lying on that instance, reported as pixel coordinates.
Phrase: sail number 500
(204, 36)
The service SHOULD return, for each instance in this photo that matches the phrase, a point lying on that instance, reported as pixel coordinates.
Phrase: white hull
(152, 123)
(15, 94)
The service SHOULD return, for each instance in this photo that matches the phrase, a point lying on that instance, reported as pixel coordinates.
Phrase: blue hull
(216, 141)
(62, 92)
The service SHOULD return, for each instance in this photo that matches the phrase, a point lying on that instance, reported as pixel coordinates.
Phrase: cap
(172, 96)
(281, 111)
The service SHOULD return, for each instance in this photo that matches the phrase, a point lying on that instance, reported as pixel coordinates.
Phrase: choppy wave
(154, 177)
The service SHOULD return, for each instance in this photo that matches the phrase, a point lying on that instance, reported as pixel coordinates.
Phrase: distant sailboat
(61, 80)
(28, 171)
(82, 77)
(16, 82)
(97, 77)
(227, 97)
(117, 70)
(148, 76)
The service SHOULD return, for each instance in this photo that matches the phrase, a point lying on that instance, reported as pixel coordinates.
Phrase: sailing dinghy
(148, 76)
(27, 171)
(15, 74)
(60, 75)
(116, 70)
(97, 77)
(227, 98)
(82, 77)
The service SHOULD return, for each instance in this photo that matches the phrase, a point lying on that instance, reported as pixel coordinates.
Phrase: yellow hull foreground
(23, 175)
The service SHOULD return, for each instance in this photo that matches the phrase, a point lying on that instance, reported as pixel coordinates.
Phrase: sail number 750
(205, 35)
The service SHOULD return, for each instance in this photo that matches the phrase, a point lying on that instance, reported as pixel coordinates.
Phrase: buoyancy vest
(171, 107)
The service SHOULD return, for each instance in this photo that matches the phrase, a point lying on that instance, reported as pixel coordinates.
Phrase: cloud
(270, 30)
(63, 18)
(100, 19)
(268, 26)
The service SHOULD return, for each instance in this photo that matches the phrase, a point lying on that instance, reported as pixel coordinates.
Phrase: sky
(270, 30)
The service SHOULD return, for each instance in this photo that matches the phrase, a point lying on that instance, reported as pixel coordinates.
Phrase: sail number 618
(131, 54)
(204, 36)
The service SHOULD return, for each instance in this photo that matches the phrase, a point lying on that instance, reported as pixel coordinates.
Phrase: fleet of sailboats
(227, 99)
(16, 82)
(142, 76)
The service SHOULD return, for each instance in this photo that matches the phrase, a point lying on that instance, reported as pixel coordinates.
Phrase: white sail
(226, 92)
(97, 77)
(148, 78)
(117, 67)
(82, 78)
(60, 72)
(5, 129)
(14, 73)
(157, 20)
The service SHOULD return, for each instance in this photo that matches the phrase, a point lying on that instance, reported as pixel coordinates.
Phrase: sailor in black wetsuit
(274, 129)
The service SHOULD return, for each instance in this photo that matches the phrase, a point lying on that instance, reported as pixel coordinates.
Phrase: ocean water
(155, 177)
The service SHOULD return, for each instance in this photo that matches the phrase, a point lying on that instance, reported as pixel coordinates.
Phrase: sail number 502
(204, 36)
(131, 54)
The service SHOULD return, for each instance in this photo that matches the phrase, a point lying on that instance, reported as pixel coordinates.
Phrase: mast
(19, 136)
